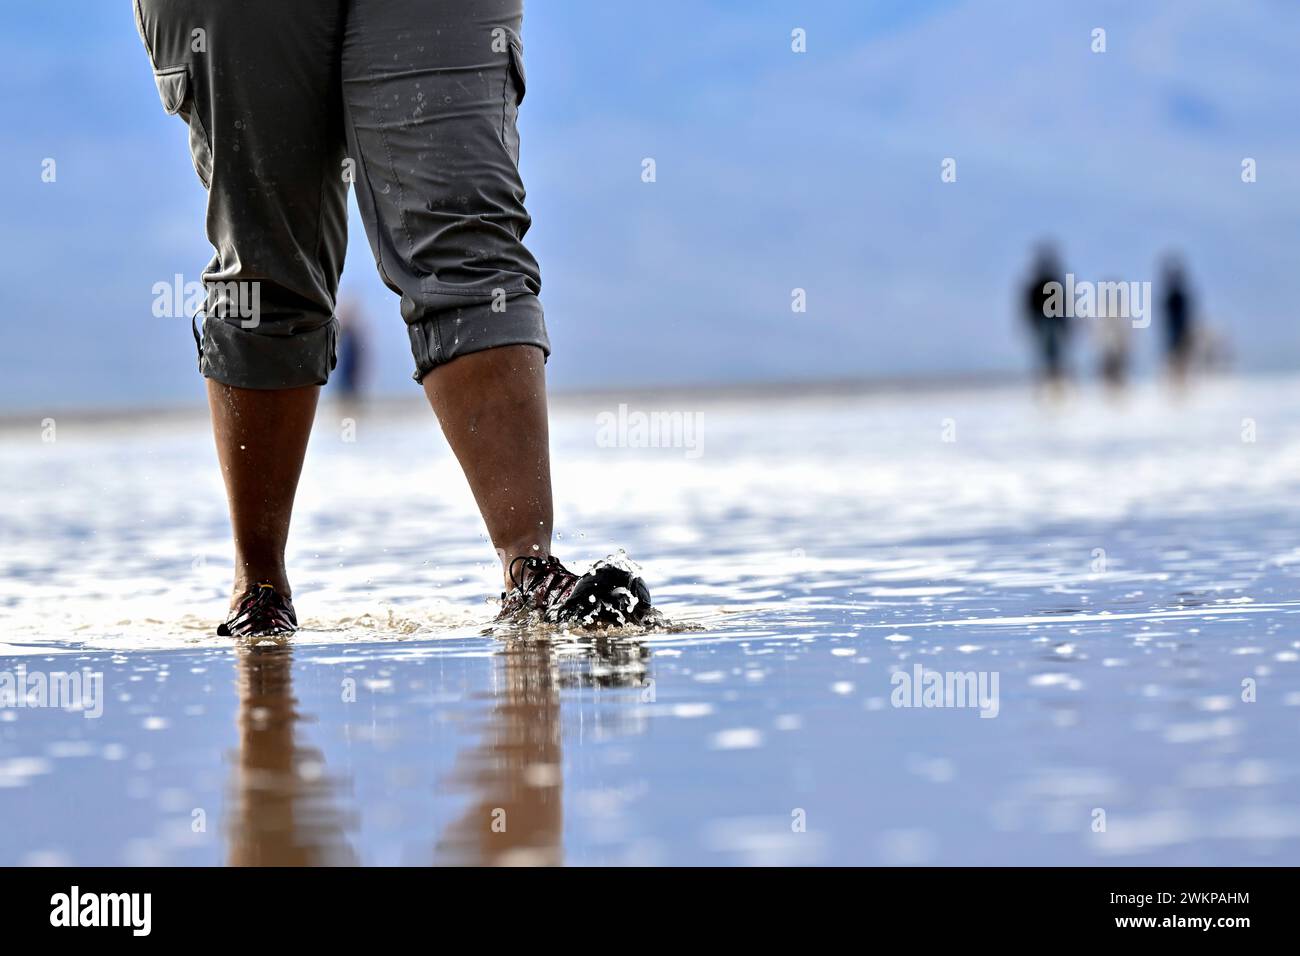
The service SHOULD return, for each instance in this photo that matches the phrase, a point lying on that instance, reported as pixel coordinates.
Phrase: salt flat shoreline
(564, 399)
(392, 405)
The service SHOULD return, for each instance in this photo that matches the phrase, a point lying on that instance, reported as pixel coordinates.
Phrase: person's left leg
(431, 93)
(492, 408)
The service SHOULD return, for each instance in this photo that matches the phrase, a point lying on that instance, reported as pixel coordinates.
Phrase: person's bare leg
(261, 441)
(492, 408)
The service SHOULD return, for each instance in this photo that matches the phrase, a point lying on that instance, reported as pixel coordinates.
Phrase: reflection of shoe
(611, 593)
(262, 612)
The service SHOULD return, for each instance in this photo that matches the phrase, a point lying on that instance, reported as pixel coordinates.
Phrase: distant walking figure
(353, 352)
(1179, 309)
(1049, 328)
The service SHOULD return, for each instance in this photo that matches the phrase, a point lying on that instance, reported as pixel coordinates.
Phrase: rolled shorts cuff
(438, 338)
(245, 358)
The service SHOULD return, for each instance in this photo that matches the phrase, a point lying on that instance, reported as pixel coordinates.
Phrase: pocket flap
(517, 64)
(172, 87)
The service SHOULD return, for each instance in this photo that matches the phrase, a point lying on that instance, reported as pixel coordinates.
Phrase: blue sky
(775, 170)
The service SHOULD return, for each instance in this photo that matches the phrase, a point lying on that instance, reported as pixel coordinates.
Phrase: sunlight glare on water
(1126, 572)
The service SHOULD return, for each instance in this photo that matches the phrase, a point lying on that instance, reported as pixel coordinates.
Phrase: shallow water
(1127, 574)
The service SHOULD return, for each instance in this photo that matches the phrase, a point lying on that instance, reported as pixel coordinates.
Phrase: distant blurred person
(1179, 319)
(353, 352)
(1049, 328)
(1112, 333)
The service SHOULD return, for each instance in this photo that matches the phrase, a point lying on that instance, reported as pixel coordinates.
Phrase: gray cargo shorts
(288, 103)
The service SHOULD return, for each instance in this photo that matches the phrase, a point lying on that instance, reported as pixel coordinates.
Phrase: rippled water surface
(1120, 580)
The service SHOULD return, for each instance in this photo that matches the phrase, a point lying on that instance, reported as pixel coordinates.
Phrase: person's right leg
(261, 437)
(258, 85)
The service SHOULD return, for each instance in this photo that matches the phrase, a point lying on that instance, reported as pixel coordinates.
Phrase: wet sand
(1125, 577)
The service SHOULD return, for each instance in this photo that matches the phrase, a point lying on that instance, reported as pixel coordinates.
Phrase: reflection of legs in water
(282, 806)
(517, 813)
(515, 771)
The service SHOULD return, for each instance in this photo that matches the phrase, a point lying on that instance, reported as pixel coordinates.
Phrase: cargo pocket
(178, 100)
(516, 86)
(517, 70)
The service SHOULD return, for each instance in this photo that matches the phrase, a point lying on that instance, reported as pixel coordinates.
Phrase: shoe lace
(538, 567)
(260, 604)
